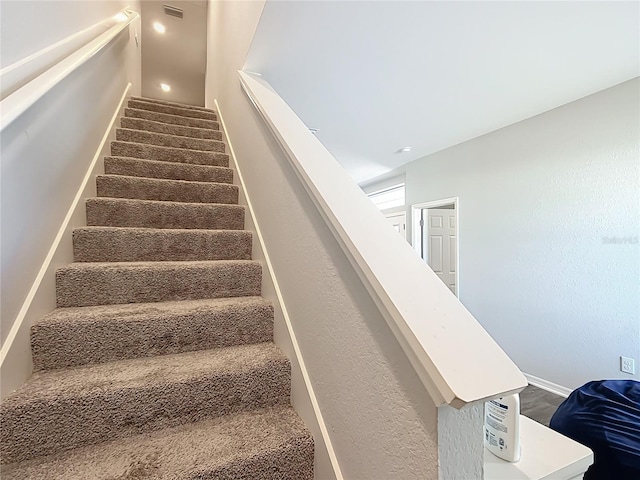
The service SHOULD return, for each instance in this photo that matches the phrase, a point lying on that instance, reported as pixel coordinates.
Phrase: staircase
(159, 361)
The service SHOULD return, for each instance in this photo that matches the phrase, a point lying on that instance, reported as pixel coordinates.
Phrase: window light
(389, 197)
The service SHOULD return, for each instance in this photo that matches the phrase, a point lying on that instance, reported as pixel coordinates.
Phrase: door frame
(397, 214)
(416, 229)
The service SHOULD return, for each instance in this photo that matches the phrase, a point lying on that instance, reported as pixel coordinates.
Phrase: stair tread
(155, 265)
(98, 313)
(197, 450)
(170, 119)
(177, 106)
(162, 231)
(163, 202)
(171, 140)
(125, 212)
(124, 186)
(174, 110)
(166, 181)
(118, 244)
(63, 409)
(166, 162)
(72, 336)
(172, 104)
(139, 373)
(160, 127)
(168, 154)
(164, 134)
(170, 149)
(83, 284)
(145, 168)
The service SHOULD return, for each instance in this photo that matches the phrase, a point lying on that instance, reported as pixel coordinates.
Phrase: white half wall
(379, 419)
(549, 224)
(46, 154)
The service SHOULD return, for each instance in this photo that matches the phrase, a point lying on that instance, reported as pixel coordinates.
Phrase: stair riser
(144, 335)
(256, 445)
(165, 245)
(146, 214)
(171, 119)
(171, 104)
(119, 284)
(165, 190)
(164, 140)
(158, 127)
(168, 154)
(173, 171)
(292, 462)
(182, 112)
(47, 427)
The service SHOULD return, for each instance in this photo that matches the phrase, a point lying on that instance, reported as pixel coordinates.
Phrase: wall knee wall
(379, 419)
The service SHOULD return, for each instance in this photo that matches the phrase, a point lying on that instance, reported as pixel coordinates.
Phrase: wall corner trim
(305, 374)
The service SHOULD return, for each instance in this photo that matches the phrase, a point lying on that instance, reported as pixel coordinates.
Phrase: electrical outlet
(628, 365)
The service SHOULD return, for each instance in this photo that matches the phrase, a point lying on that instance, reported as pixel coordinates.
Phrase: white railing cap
(24, 97)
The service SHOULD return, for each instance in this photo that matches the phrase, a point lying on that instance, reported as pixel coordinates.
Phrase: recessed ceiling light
(404, 150)
(165, 87)
(158, 27)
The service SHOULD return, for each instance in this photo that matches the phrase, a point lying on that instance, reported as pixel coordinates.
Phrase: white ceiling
(178, 56)
(376, 76)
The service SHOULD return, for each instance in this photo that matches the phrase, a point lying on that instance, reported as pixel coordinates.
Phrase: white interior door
(439, 250)
(399, 222)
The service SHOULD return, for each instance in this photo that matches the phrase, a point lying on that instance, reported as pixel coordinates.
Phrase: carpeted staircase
(159, 361)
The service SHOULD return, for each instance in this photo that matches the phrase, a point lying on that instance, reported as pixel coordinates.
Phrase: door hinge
(421, 222)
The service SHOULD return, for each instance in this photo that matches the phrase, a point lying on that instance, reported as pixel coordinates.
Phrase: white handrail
(23, 98)
(456, 359)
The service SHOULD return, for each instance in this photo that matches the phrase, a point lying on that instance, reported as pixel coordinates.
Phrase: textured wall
(549, 223)
(380, 419)
(454, 427)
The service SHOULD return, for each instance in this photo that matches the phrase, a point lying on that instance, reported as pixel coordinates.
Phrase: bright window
(389, 197)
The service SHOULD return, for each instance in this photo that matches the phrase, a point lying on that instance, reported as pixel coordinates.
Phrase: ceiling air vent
(173, 11)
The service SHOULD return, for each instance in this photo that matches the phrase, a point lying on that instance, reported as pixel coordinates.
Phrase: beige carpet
(158, 362)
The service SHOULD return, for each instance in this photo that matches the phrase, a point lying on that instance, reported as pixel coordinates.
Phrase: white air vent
(173, 11)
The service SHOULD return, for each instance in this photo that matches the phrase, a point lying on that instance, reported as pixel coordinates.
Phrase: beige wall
(178, 56)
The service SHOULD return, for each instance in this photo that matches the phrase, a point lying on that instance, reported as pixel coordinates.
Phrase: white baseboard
(15, 354)
(548, 386)
(325, 441)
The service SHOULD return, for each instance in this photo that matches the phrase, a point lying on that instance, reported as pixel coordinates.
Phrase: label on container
(495, 413)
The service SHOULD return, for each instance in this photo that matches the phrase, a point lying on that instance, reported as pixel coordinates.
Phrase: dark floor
(538, 404)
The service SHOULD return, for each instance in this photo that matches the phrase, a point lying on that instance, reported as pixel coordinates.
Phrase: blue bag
(605, 416)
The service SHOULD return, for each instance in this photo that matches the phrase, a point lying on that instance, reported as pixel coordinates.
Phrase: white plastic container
(502, 427)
